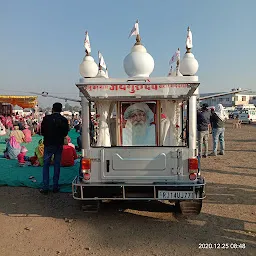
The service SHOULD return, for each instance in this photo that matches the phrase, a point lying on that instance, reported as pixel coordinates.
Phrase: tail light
(86, 168)
(192, 176)
(248, 116)
(193, 165)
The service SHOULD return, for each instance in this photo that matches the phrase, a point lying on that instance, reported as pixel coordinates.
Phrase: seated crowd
(20, 132)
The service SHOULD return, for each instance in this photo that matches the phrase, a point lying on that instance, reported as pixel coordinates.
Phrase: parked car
(247, 116)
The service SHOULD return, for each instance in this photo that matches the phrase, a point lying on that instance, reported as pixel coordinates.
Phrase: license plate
(175, 194)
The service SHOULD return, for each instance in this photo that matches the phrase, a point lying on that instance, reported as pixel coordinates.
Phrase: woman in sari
(39, 152)
(12, 148)
(9, 123)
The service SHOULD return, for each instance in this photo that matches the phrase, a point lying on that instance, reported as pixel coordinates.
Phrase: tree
(76, 108)
(68, 107)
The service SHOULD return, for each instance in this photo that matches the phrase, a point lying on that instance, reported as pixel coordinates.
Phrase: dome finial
(87, 44)
(135, 32)
(138, 40)
(189, 65)
(189, 41)
(138, 63)
(88, 68)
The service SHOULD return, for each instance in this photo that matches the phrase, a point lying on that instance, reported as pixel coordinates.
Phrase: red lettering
(122, 86)
(139, 86)
(147, 87)
(113, 87)
(154, 86)
(132, 88)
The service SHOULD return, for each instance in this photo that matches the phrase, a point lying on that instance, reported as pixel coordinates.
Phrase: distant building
(232, 100)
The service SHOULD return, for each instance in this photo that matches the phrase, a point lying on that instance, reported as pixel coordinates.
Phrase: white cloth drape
(103, 108)
(170, 133)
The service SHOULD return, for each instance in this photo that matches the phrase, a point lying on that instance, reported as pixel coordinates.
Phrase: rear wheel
(189, 208)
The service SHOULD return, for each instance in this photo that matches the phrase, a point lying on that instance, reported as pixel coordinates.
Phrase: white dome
(138, 63)
(102, 73)
(88, 68)
(188, 65)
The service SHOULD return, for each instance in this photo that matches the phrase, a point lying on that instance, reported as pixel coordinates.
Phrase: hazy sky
(41, 42)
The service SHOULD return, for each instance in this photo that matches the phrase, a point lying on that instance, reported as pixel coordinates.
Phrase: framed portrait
(138, 123)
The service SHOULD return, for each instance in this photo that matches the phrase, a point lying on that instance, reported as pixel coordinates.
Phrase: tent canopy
(21, 101)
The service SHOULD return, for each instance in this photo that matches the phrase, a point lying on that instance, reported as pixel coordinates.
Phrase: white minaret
(188, 65)
(138, 63)
(88, 68)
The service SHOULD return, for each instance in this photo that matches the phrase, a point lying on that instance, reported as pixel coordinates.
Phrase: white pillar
(193, 124)
(85, 126)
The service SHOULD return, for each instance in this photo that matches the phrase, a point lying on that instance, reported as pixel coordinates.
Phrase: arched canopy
(21, 101)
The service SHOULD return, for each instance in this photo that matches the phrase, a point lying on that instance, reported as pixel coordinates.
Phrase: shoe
(213, 154)
(205, 156)
(222, 153)
(44, 192)
(56, 190)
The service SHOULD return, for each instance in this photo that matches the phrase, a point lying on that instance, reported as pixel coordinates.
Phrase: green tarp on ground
(11, 174)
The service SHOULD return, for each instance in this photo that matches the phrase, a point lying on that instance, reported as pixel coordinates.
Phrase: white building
(231, 100)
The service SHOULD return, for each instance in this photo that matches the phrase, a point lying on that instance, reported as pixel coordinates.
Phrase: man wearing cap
(139, 130)
(54, 128)
(203, 123)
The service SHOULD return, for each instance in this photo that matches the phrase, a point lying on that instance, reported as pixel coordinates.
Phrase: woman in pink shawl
(12, 148)
(9, 124)
(27, 134)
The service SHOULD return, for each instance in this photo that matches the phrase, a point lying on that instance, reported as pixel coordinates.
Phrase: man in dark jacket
(203, 123)
(54, 128)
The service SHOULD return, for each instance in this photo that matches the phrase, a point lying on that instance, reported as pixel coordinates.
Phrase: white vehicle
(245, 107)
(148, 150)
(247, 116)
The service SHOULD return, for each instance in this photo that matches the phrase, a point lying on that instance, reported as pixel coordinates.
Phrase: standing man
(203, 124)
(54, 128)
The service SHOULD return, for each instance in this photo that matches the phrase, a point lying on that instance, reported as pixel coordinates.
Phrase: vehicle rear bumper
(124, 191)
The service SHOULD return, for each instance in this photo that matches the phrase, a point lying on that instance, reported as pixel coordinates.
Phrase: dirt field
(32, 224)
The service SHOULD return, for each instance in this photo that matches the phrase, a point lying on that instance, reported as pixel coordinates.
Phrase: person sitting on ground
(39, 152)
(12, 148)
(69, 155)
(27, 134)
(21, 156)
(9, 123)
(21, 123)
(19, 135)
(69, 142)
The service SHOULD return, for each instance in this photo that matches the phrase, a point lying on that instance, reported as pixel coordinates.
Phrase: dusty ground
(33, 224)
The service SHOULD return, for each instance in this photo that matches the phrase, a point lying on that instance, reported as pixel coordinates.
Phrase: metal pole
(85, 126)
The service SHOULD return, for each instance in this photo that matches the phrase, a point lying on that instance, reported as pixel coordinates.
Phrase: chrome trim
(76, 184)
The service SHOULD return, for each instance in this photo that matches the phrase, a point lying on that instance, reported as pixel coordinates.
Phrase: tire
(189, 208)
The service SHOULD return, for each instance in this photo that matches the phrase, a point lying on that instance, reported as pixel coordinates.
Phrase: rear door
(142, 163)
